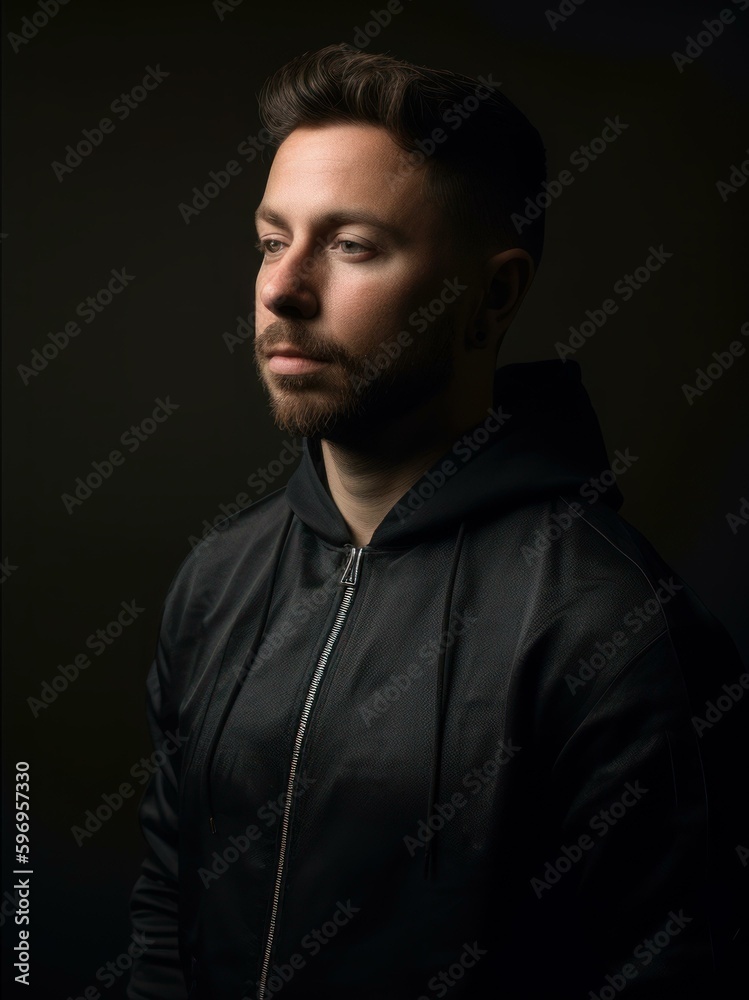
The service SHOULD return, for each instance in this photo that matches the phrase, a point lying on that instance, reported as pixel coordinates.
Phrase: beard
(354, 394)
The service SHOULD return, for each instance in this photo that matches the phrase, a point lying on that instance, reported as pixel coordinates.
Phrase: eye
(270, 247)
(266, 247)
(351, 248)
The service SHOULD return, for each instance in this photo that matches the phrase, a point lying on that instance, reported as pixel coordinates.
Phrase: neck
(368, 477)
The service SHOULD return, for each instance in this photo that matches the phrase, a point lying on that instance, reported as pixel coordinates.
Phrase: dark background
(162, 336)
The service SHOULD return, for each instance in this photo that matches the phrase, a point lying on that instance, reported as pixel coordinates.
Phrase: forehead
(318, 169)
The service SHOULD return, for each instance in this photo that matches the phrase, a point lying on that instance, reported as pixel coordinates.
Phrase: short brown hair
(481, 172)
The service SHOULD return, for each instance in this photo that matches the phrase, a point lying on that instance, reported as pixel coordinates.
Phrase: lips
(285, 360)
(288, 352)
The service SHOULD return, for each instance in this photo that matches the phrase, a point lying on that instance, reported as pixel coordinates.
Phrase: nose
(288, 288)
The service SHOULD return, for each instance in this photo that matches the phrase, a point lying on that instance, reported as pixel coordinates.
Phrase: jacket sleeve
(154, 903)
(629, 792)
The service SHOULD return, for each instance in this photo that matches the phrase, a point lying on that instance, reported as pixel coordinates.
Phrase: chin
(303, 418)
(317, 419)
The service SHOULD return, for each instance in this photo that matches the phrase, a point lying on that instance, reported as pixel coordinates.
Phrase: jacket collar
(540, 438)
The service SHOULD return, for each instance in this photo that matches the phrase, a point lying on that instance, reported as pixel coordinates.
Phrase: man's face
(354, 256)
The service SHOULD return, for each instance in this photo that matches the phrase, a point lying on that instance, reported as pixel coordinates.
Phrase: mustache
(296, 335)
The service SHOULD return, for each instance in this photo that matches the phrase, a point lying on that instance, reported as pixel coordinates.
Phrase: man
(435, 693)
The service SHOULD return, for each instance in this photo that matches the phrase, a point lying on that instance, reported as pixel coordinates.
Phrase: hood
(540, 438)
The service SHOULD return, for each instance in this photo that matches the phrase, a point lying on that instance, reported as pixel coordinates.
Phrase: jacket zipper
(349, 577)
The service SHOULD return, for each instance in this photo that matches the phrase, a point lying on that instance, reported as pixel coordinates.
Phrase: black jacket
(461, 760)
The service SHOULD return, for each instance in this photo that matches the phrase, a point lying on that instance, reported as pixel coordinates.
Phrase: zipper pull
(350, 575)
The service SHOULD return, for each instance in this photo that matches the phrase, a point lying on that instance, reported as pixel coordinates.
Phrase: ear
(509, 275)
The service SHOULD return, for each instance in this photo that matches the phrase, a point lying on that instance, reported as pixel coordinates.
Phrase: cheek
(366, 310)
(366, 318)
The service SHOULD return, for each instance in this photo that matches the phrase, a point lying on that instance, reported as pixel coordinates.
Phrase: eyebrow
(337, 218)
